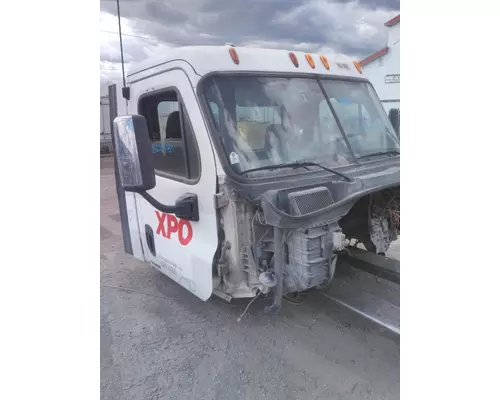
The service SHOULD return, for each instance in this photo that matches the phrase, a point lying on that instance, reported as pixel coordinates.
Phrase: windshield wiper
(380, 153)
(298, 164)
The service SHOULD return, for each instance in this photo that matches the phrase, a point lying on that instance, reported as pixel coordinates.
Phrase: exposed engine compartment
(310, 250)
(289, 241)
(374, 220)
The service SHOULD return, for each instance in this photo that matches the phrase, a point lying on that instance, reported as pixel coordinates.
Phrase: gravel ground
(158, 341)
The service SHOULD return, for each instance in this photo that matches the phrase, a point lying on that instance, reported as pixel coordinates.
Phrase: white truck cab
(243, 171)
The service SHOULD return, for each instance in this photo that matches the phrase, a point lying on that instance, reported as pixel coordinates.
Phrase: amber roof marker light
(293, 57)
(325, 62)
(358, 66)
(310, 61)
(234, 55)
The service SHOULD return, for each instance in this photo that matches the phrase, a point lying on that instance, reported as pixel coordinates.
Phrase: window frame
(184, 119)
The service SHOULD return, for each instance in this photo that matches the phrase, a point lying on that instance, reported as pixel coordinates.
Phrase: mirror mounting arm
(186, 207)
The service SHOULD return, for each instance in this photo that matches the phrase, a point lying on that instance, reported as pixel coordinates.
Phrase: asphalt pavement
(158, 341)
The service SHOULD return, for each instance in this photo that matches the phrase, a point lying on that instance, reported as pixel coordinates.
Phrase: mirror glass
(127, 155)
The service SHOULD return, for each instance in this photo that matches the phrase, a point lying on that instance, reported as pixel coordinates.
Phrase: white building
(382, 67)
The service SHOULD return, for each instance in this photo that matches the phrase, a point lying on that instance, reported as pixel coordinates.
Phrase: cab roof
(206, 59)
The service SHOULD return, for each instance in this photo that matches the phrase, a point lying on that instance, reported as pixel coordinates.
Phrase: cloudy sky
(355, 28)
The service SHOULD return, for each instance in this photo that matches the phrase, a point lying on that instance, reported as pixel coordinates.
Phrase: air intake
(310, 200)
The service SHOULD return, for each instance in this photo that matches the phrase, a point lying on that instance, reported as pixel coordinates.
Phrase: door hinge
(221, 200)
(223, 264)
(223, 268)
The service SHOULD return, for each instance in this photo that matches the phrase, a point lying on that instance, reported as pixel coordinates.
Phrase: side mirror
(394, 118)
(133, 153)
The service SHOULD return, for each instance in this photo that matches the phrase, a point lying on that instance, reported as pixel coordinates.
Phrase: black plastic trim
(188, 210)
(253, 192)
(150, 239)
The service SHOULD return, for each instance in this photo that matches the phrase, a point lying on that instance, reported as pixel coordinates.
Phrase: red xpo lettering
(168, 224)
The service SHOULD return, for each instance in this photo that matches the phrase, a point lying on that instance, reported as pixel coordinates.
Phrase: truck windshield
(264, 121)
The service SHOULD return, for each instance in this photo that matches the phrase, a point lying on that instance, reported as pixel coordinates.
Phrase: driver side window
(174, 151)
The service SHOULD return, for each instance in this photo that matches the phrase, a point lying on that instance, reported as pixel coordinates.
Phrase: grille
(308, 201)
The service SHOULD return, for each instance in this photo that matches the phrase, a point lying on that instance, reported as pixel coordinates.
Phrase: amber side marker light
(358, 67)
(325, 62)
(234, 55)
(293, 57)
(310, 61)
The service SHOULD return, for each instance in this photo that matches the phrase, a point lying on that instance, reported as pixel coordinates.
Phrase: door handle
(186, 206)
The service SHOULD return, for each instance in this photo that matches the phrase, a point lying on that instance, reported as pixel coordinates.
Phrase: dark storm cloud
(353, 28)
(387, 4)
(162, 11)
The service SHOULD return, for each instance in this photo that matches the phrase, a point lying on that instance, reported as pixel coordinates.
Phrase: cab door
(185, 168)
